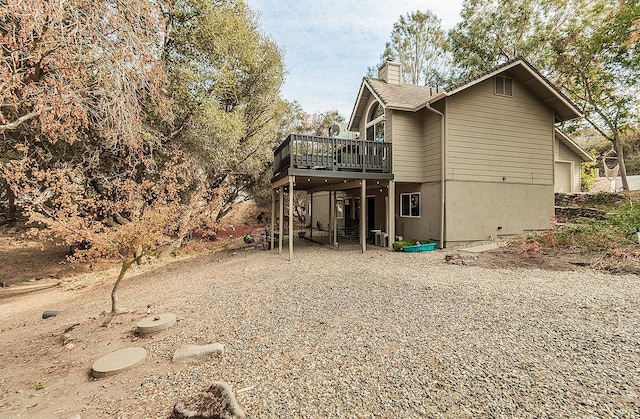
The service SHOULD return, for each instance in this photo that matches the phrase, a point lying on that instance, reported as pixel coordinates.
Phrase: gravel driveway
(336, 334)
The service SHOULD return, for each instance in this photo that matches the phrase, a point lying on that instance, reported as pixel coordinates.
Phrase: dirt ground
(36, 278)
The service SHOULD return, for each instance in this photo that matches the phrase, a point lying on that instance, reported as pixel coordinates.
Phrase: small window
(410, 205)
(504, 86)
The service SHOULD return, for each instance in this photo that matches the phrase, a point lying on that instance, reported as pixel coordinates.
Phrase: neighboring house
(478, 160)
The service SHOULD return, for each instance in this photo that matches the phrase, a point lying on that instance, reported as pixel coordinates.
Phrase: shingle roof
(407, 96)
(411, 97)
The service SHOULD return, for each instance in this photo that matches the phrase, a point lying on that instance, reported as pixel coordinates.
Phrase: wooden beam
(336, 187)
(363, 214)
(283, 182)
(334, 215)
(281, 220)
(391, 213)
(291, 178)
(273, 217)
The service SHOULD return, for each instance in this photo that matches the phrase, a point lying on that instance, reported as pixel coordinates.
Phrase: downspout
(443, 172)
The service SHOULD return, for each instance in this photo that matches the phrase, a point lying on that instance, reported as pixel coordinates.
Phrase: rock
(217, 402)
(49, 313)
(188, 352)
(118, 361)
(455, 259)
(153, 324)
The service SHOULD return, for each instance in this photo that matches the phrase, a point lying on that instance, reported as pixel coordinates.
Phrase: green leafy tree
(596, 64)
(225, 79)
(495, 31)
(419, 44)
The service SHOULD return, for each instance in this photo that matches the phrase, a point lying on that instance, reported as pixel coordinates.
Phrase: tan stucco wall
(428, 225)
(320, 209)
(475, 210)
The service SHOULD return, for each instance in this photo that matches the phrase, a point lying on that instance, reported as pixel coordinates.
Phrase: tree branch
(15, 124)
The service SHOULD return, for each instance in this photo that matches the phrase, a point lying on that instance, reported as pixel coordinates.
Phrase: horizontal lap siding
(432, 147)
(408, 147)
(564, 153)
(499, 139)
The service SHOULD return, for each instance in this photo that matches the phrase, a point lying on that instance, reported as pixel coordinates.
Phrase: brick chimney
(391, 72)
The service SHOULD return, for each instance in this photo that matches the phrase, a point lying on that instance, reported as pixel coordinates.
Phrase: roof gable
(573, 146)
(408, 97)
(535, 82)
(411, 98)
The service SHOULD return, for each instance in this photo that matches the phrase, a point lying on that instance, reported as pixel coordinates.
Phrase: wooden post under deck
(281, 221)
(290, 217)
(329, 223)
(273, 217)
(363, 213)
(391, 213)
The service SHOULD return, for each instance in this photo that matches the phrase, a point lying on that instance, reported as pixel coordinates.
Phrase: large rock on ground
(190, 352)
(217, 402)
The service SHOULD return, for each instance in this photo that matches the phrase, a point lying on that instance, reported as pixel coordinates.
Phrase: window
(410, 205)
(504, 86)
(375, 123)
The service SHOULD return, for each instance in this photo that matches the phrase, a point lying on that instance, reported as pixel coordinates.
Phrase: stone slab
(154, 324)
(118, 361)
(479, 249)
(188, 352)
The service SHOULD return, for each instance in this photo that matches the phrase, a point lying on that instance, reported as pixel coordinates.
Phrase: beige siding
(426, 227)
(499, 139)
(391, 73)
(565, 154)
(432, 151)
(408, 160)
(483, 211)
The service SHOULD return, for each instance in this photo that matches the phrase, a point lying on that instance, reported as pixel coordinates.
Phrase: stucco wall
(428, 225)
(476, 210)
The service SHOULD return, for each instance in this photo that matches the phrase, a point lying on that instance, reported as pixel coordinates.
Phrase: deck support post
(310, 212)
(333, 236)
(363, 214)
(391, 213)
(290, 217)
(273, 217)
(281, 220)
(330, 222)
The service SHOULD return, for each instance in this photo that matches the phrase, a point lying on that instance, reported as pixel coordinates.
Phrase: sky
(329, 44)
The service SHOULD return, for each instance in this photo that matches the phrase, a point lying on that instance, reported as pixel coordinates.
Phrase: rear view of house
(478, 160)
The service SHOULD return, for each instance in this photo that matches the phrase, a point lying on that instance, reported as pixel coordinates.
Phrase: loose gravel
(390, 335)
(341, 334)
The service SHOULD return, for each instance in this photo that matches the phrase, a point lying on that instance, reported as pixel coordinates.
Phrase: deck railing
(337, 154)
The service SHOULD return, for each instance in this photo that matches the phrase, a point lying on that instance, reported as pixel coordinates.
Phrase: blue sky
(328, 44)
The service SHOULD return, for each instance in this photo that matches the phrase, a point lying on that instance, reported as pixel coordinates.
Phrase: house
(478, 160)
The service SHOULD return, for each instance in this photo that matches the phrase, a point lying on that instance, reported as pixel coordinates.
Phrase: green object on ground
(400, 245)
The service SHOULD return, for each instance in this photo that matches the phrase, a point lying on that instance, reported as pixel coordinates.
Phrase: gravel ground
(340, 334)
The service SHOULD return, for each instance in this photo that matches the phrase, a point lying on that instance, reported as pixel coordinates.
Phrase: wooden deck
(331, 154)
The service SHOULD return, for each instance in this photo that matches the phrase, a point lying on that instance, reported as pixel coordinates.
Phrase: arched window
(375, 123)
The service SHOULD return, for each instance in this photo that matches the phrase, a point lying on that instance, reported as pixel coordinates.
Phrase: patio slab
(479, 249)
(117, 362)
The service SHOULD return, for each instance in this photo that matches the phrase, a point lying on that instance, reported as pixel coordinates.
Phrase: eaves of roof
(579, 151)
